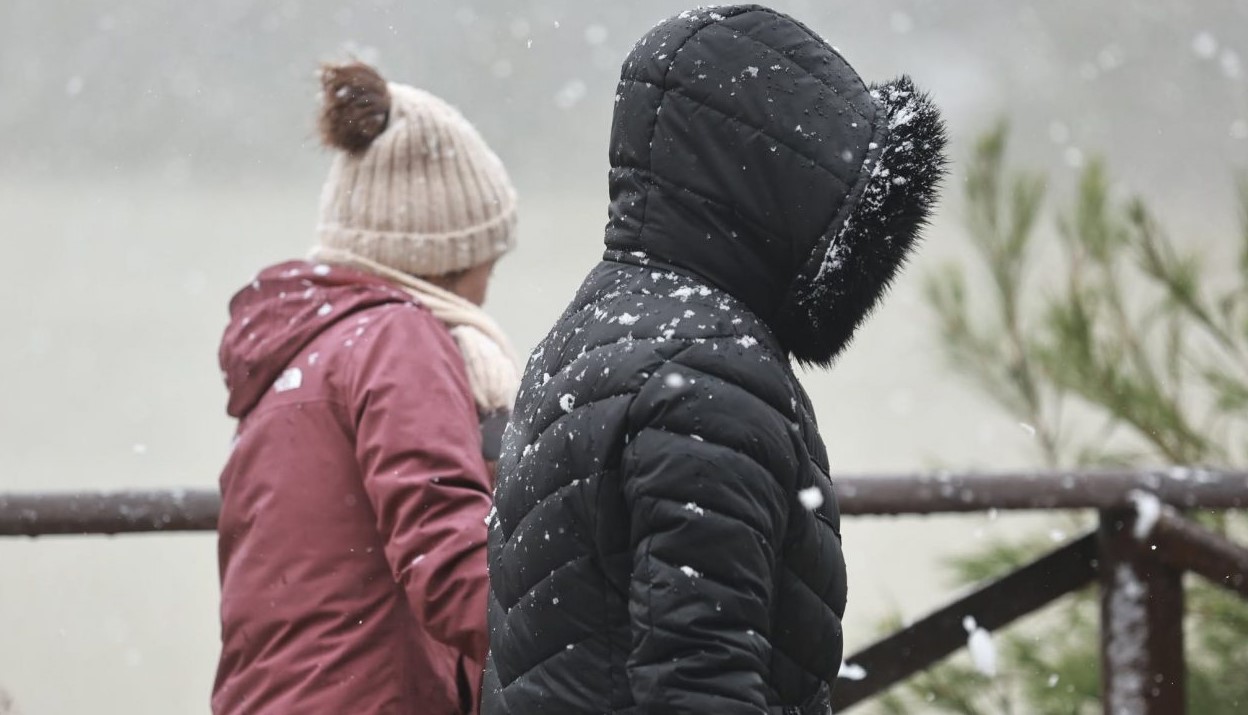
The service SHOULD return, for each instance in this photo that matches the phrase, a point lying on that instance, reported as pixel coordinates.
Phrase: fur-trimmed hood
(745, 150)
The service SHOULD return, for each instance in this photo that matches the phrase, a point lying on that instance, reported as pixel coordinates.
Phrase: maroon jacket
(352, 531)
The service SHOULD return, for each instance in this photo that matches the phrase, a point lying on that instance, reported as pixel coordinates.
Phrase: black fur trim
(853, 265)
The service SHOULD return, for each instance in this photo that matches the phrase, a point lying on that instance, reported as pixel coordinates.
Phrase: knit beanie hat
(414, 187)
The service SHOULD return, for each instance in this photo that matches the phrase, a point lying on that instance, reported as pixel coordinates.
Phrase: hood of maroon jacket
(283, 310)
(351, 536)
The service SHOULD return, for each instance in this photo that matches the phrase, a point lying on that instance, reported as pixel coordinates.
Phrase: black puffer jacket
(666, 537)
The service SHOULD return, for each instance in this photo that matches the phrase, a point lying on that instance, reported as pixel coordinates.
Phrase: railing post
(1142, 666)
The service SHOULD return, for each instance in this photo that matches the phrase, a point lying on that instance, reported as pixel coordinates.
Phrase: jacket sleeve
(707, 513)
(418, 444)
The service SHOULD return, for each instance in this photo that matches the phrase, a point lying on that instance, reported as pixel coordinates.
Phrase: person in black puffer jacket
(665, 536)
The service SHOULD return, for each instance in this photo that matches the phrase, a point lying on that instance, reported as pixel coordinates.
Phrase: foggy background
(154, 155)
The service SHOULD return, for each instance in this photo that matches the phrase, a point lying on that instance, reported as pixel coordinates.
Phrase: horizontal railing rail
(144, 511)
(948, 492)
(108, 513)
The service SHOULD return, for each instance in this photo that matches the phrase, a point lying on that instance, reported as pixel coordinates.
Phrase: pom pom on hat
(356, 106)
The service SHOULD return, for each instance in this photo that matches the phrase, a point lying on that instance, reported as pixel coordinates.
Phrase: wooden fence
(1143, 544)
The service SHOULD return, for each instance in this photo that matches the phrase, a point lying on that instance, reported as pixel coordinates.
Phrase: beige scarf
(488, 355)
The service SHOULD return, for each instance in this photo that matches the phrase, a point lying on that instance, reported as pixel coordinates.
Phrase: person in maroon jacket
(370, 389)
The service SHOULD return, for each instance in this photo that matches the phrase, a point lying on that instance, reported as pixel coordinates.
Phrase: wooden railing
(1138, 553)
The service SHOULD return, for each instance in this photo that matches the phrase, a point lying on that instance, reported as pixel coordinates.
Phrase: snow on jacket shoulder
(666, 536)
(351, 536)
